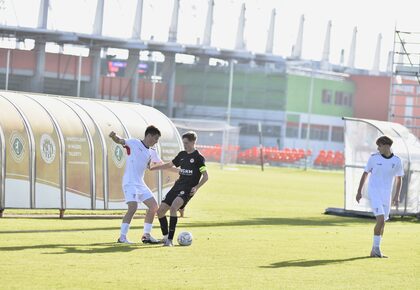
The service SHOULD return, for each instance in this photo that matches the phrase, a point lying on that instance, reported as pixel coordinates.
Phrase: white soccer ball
(185, 239)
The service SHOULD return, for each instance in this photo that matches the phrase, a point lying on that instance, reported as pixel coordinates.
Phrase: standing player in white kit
(383, 167)
(140, 155)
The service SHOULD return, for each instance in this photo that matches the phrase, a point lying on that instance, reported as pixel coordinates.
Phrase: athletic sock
(164, 225)
(172, 226)
(147, 228)
(377, 241)
(124, 230)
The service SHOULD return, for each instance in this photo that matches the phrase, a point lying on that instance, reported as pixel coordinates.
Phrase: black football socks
(172, 225)
(164, 225)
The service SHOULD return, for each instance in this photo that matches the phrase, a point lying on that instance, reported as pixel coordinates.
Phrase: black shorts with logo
(174, 193)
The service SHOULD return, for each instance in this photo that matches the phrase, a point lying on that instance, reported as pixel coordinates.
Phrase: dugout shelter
(55, 151)
(360, 137)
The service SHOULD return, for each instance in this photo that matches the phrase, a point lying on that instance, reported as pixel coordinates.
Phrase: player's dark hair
(152, 130)
(384, 140)
(190, 135)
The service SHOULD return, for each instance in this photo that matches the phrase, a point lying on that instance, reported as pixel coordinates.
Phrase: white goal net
(217, 140)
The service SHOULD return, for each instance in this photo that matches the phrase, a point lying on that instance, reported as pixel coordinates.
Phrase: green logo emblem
(118, 155)
(18, 146)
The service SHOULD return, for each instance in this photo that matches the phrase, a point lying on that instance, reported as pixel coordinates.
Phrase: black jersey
(191, 167)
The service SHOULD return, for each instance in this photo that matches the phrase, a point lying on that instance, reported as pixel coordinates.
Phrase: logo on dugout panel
(48, 148)
(18, 146)
(118, 155)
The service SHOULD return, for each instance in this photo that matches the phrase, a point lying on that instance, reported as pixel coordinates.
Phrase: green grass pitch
(252, 230)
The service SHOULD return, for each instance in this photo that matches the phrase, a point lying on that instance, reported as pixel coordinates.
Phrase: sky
(370, 16)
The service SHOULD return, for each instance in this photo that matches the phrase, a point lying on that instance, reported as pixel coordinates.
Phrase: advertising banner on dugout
(77, 156)
(47, 152)
(62, 144)
(17, 189)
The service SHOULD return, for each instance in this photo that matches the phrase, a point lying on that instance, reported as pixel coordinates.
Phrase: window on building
(292, 130)
(267, 130)
(303, 131)
(326, 96)
(343, 99)
(271, 130)
(347, 99)
(248, 129)
(317, 132)
(337, 134)
(338, 98)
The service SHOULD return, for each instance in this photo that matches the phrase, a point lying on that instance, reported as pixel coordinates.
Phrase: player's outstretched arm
(396, 198)
(204, 179)
(167, 165)
(362, 182)
(117, 139)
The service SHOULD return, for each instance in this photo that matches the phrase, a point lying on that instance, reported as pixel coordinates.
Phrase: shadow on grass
(96, 248)
(64, 230)
(409, 219)
(278, 221)
(68, 217)
(311, 263)
(325, 221)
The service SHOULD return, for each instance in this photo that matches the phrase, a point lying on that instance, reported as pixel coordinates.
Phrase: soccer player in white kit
(384, 167)
(140, 155)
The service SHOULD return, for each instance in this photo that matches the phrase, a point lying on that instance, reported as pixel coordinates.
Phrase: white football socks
(377, 241)
(147, 228)
(124, 229)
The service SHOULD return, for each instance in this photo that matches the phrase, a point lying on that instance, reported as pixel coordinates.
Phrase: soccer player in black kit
(192, 175)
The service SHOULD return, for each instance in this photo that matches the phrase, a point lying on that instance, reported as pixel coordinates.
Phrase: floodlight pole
(228, 113)
(230, 91)
(154, 80)
(7, 70)
(308, 126)
(79, 74)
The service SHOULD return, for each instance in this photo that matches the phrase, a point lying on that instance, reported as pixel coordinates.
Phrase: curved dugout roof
(360, 137)
(56, 153)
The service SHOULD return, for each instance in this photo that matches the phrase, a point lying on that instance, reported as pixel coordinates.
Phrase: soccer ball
(185, 239)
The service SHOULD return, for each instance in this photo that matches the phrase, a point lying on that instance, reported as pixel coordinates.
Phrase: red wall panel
(371, 98)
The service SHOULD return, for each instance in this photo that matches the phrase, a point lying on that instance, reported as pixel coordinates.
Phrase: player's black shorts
(172, 194)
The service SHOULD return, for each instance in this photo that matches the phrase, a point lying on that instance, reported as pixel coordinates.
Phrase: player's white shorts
(137, 193)
(380, 208)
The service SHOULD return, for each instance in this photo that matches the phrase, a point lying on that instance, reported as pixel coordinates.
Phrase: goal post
(217, 141)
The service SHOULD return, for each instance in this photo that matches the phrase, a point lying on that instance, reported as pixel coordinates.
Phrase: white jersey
(138, 158)
(382, 172)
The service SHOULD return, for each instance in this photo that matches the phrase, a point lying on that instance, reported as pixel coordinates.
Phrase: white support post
(228, 113)
(7, 70)
(308, 124)
(79, 74)
(154, 80)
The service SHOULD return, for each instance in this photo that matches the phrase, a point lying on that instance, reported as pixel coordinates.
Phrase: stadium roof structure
(91, 40)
